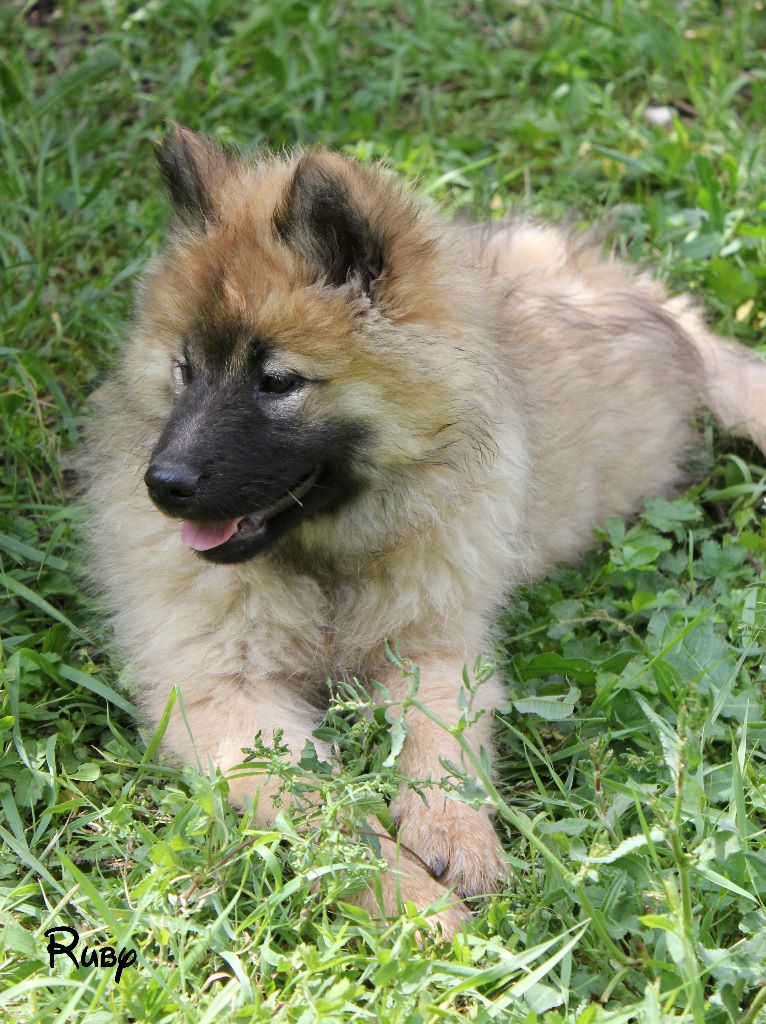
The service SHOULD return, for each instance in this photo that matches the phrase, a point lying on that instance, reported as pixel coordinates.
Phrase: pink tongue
(203, 536)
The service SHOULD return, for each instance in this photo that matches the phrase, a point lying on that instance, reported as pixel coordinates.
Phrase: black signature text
(91, 956)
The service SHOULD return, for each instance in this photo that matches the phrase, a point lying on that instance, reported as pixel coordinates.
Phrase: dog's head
(300, 335)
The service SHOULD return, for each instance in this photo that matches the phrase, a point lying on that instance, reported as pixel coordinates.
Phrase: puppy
(339, 421)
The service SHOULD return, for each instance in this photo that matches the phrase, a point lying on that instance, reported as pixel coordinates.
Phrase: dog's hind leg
(734, 377)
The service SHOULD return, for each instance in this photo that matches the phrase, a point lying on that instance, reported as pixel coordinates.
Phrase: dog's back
(612, 372)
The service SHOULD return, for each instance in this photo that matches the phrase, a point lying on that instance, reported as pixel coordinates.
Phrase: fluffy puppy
(339, 421)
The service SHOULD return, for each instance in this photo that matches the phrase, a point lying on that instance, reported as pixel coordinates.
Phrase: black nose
(172, 484)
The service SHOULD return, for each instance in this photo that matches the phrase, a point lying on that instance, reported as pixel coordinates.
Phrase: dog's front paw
(458, 843)
(405, 880)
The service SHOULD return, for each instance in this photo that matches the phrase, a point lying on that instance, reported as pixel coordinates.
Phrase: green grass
(631, 789)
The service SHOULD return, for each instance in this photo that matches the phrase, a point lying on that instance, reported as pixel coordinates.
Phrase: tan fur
(519, 388)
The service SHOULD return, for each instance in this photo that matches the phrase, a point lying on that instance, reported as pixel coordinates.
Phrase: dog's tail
(734, 377)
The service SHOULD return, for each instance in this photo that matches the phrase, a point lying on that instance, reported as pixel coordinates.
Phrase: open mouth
(244, 531)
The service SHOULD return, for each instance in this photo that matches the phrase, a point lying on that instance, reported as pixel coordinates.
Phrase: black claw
(438, 867)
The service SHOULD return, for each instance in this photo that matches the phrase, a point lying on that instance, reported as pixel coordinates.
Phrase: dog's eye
(279, 383)
(182, 372)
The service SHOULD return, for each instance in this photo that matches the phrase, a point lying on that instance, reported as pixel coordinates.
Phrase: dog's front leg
(213, 726)
(210, 725)
(456, 841)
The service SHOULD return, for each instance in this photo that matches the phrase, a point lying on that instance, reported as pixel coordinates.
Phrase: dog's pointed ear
(319, 218)
(193, 166)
